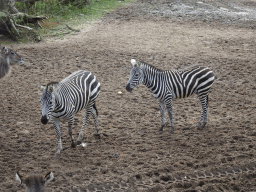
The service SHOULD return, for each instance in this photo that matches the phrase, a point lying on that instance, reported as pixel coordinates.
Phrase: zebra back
(182, 83)
(81, 88)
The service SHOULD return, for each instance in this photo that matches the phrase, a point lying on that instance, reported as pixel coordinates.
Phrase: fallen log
(14, 21)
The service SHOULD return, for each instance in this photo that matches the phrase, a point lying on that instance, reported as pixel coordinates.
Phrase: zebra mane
(187, 68)
(51, 83)
(151, 67)
(191, 67)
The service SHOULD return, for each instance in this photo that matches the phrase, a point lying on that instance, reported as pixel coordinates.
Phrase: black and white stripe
(64, 99)
(167, 85)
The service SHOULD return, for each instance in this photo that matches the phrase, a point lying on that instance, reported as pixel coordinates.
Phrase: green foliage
(5, 43)
(66, 9)
(74, 12)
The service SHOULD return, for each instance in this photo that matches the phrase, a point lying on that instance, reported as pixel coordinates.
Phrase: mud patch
(239, 13)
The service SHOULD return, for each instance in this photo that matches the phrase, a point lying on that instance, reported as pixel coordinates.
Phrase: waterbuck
(35, 182)
(8, 57)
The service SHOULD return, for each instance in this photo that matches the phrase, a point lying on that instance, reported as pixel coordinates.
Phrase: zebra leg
(162, 110)
(58, 134)
(169, 109)
(94, 114)
(203, 120)
(70, 123)
(85, 120)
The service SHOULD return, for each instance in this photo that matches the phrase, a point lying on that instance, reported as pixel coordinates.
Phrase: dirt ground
(136, 156)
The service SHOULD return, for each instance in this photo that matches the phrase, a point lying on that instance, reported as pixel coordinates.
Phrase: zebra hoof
(73, 145)
(201, 125)
(78, 143)
(96, 135)
(57, 155)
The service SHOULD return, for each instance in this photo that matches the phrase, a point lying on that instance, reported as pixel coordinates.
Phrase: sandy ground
(136, 156)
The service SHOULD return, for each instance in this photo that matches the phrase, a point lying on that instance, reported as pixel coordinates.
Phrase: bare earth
(136, 156)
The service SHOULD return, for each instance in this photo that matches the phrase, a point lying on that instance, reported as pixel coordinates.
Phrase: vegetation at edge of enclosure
(32, 20)
(59, 11)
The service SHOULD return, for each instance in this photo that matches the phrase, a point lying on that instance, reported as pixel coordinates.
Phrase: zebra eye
(12, 53)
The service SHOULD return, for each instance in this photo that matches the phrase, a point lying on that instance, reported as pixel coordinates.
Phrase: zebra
(34, 182)
(8, 57)
(168, 85)
(62, 100)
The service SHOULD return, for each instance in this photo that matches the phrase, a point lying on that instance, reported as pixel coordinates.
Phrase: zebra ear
(18, 177)
(40, 87)
(133, 62)
(51, 89)
(5, 50)
(48, 177)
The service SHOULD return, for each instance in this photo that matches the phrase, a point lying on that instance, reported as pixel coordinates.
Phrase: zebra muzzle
(44, 119)
(128, 87)
(21, 62)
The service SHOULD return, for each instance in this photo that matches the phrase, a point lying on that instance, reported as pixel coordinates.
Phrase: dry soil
(135, 156)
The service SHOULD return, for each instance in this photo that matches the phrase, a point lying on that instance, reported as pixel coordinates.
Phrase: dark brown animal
(35, 182)
(7, 58)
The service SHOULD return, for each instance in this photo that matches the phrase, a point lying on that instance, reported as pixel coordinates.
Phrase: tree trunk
(8, 5)
(10, 17)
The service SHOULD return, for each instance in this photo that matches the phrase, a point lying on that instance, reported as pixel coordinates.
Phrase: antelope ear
(48, 177)
(133, 62)
(40, 87)
(18, 177)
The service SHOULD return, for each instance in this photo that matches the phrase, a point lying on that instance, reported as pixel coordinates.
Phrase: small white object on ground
(82, 144)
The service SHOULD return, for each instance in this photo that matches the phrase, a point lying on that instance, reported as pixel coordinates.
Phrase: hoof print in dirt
(64, 148)
(138, 177)
(115, 155)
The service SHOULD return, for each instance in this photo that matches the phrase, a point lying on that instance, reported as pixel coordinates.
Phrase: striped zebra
(167, 85)
(64, 99)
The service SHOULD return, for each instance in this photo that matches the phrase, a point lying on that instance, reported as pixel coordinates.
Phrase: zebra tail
(94, 106)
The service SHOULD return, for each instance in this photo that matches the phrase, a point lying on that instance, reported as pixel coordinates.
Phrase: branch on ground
(17, 20)
(71, 28)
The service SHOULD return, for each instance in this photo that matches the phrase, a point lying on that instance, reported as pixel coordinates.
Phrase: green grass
(73, 13)
(4, 43)
(94, 10)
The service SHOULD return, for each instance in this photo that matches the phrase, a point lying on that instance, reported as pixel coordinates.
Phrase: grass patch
(3, 42)
(75, 13)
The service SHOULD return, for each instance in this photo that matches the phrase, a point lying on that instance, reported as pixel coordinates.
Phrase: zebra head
(136, 76)
(47, 101)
